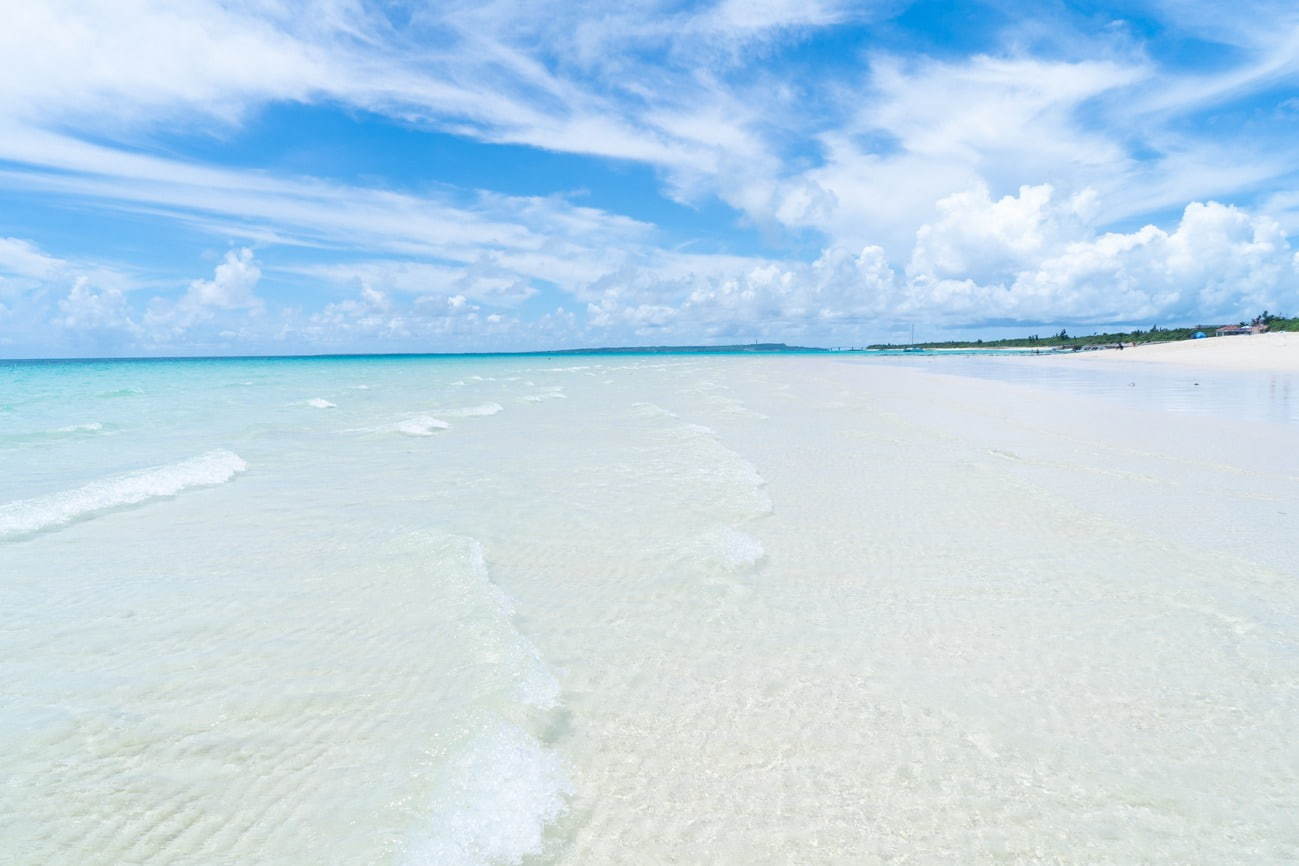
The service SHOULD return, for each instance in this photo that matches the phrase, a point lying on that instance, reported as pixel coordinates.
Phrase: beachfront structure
(1230, 330)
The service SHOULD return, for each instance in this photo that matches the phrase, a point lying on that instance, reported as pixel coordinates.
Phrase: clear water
(635, 609)
(1257, 396)
(252, 609)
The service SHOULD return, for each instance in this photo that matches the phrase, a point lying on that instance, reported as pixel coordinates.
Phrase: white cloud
(484, 280)
(429, 323)
(508, 240)
(67, 59)
(977, 238)
(962, 189)
(49, 299)
(1034, 258)
(88, 308)
(752, 298)
(231, 286)
(230, 289)
(23, 258)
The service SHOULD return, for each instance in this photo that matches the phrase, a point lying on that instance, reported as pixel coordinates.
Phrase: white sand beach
(1278, 352)
(773, 610)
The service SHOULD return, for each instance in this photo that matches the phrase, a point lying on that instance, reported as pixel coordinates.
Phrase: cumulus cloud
(754, 297)
(1032, 257)
(1036, 257)
(428, 323)
(52, 301)
(230, 289)
(977, 238)
(87, 308)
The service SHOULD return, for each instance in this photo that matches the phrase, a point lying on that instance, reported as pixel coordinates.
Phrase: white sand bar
(1277, 352)
(993, 624)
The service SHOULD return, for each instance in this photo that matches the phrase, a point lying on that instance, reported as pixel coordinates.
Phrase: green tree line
(1064, 339)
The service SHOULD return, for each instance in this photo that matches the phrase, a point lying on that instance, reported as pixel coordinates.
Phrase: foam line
(27, 516)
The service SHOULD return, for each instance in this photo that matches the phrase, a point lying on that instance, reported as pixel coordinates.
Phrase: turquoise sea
(265, 610)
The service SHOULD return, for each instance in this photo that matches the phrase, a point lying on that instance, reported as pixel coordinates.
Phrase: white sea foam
(651, 410)
(321, 403)
(498, 796)
(476, 411)
(420, 425)
(92, 427)
(551, 393)
(502, 787)
(726, 550)
(740, 551)
(27, 516)
(537, 685)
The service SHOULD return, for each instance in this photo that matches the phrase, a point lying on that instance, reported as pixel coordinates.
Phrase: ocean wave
(554, 393)
(651, 410)
(421, 425)
(321, 403)
(739, 550)
(499, 795)
(89, 428)
(538, 687)
(724, 551)
(501, 786)
(120, 392)
(28, 516)
(477, 411)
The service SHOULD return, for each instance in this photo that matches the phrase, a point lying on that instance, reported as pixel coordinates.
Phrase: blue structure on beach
(1199, 335)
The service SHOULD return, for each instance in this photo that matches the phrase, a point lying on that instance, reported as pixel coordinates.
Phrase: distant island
(1063, 340)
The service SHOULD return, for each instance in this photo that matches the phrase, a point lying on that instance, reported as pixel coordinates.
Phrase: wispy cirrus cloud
(851, 143)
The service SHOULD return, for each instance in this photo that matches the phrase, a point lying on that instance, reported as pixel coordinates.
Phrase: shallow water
(1257, 396)
(646, 609)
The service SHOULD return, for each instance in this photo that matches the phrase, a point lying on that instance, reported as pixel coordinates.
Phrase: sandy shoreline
(729, 609)
(1262, 352)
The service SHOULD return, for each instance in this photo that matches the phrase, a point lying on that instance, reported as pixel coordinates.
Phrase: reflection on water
(1259, 396)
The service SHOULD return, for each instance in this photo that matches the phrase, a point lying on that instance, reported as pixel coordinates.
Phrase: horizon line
(696, 348)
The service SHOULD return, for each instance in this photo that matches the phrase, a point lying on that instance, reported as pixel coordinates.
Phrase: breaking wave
(500, 794)
(476, 411)
(92, 427)
(502, 787)
(420, 425)
(550, 393)
(28, 516)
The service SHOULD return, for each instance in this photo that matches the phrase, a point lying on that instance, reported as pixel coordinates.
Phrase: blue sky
(270, 176)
